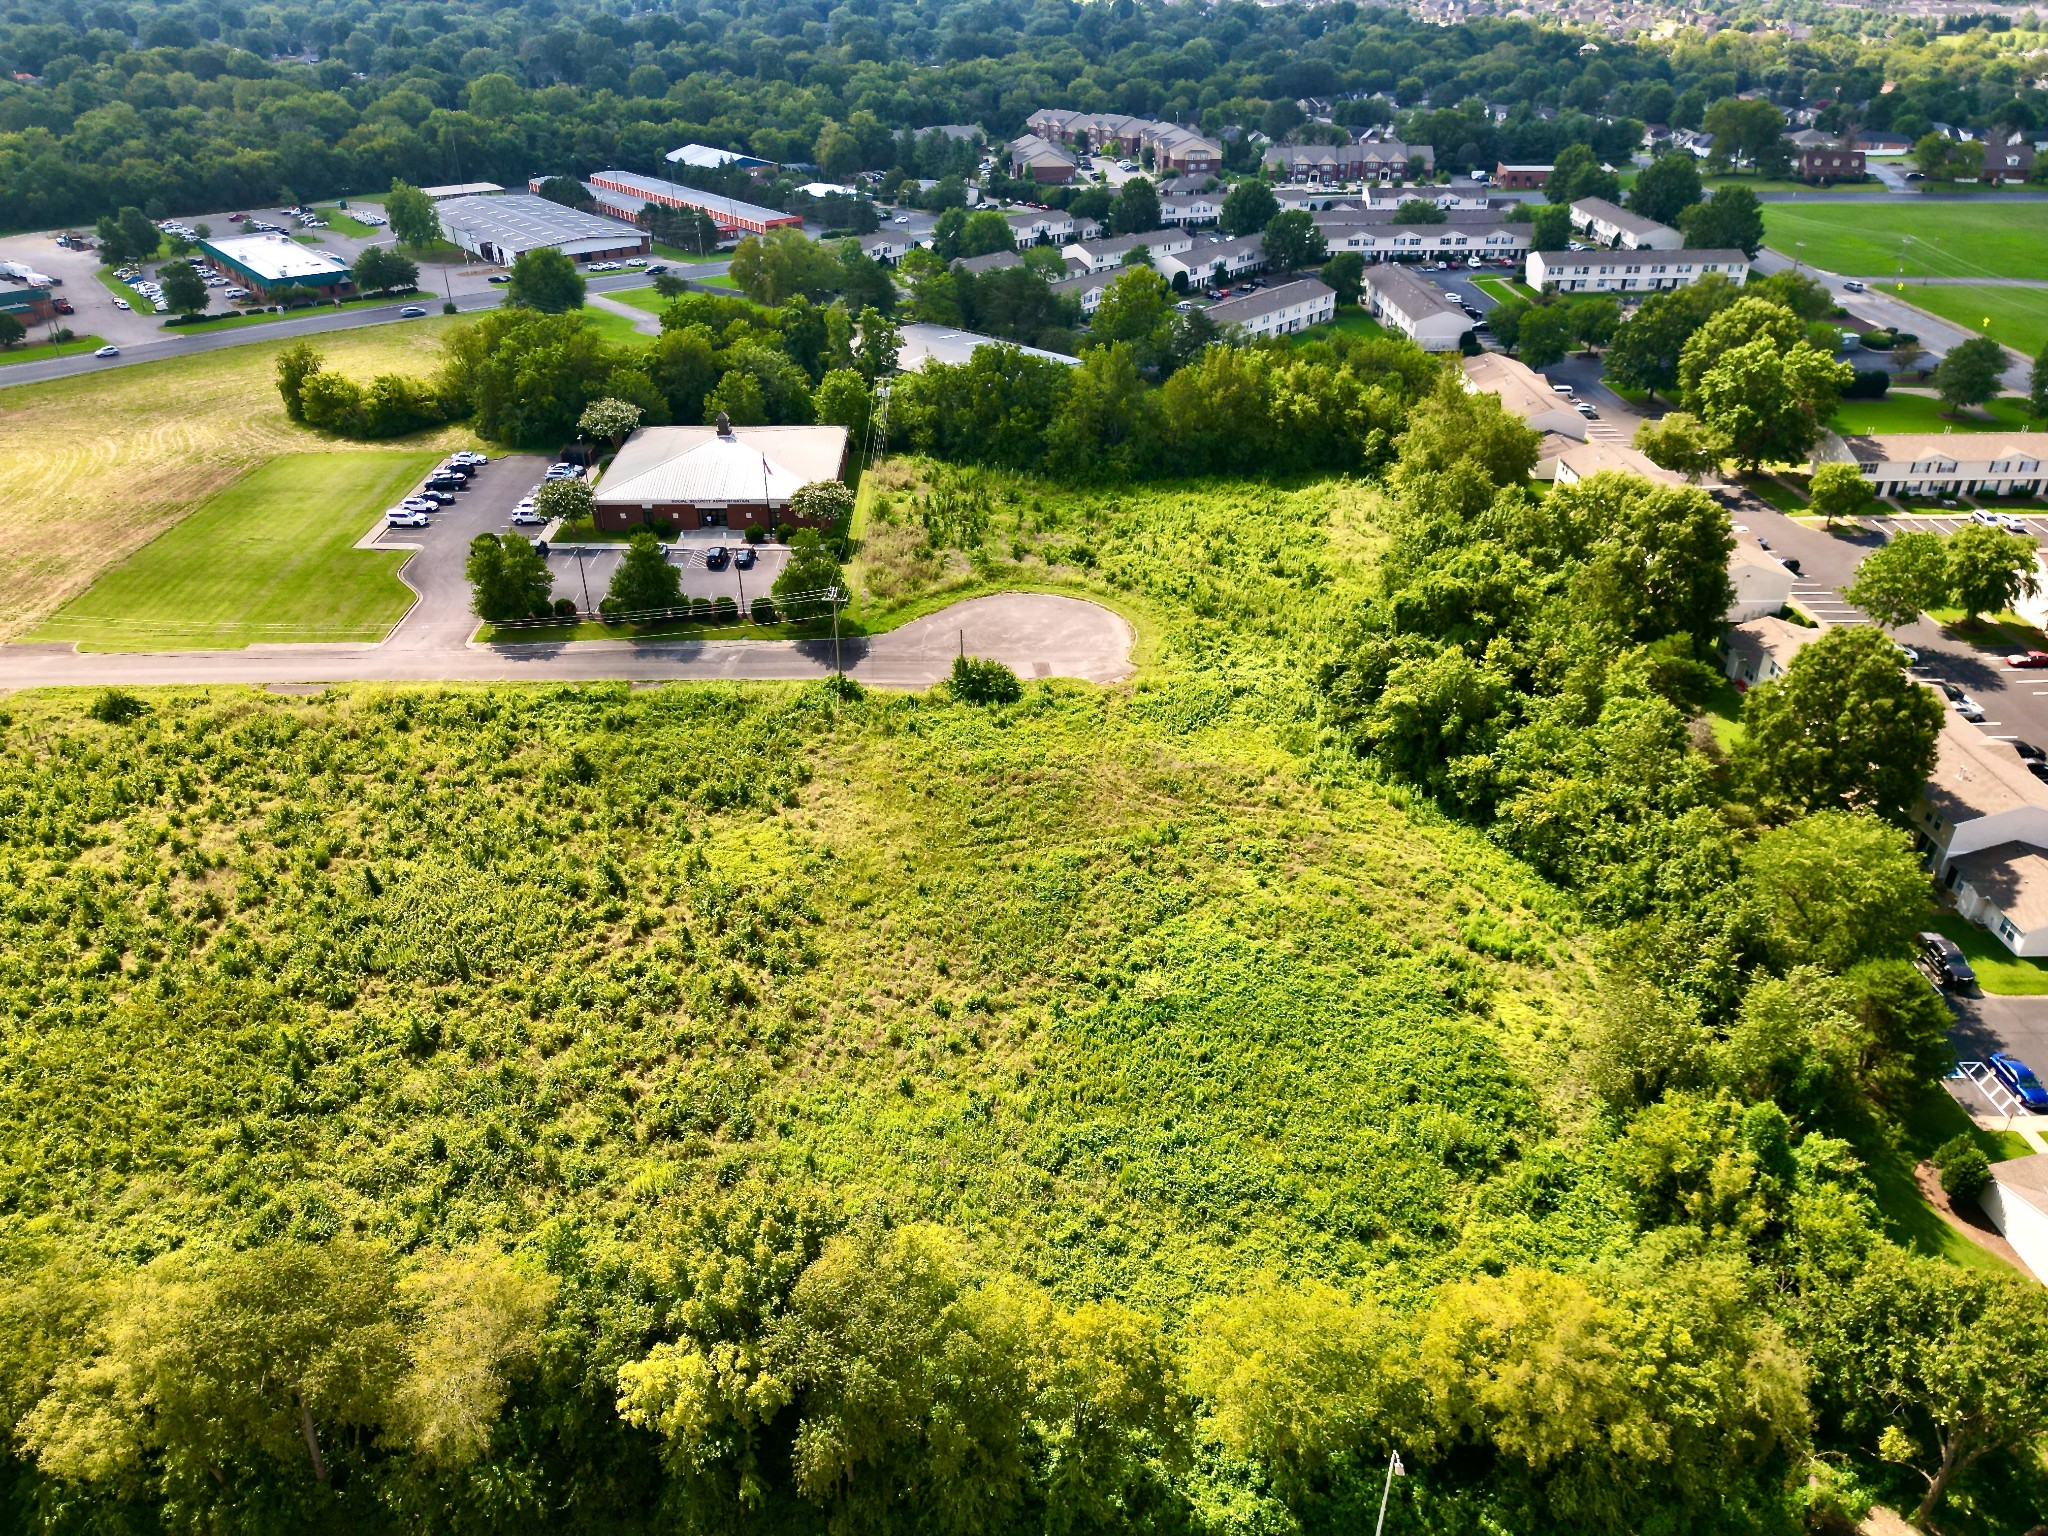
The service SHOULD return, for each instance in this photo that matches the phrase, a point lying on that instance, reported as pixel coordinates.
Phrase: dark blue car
(2017, 1076)
(715, 558)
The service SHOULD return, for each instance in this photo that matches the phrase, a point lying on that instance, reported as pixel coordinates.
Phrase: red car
(236, 218)
(2028, 659)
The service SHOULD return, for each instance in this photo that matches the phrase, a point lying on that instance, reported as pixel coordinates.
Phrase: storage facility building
(501, 229)
(265, 263)
(627, 192)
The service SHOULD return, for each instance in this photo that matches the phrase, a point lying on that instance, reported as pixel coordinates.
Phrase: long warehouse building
(501, 229)
(627, 192)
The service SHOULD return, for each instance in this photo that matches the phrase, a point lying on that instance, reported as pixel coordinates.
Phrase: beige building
(1944, 463)
(1613, 225)
(1759, 650)
(1417, 309)
(1631, 271)
(1982, 822)
(1278, 311)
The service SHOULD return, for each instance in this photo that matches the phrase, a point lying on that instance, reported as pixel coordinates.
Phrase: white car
(406, 517)
(2003, 520)
(123, 304)
(636, 261)
(524, 516)
(108, 352)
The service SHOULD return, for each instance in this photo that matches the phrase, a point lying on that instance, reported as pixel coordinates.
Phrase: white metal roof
(664, 465)
(521, 222)
(276, 258)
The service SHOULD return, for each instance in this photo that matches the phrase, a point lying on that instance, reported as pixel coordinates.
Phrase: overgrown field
(1937, 239)
(93, 468)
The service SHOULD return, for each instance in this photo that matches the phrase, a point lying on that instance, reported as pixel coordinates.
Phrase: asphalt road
(1985, 1024)
(1034, 633)
(170, 344)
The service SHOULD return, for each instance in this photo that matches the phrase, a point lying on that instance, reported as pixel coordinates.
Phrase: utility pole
(583, 572)
(1394, 1470)
(834, 598)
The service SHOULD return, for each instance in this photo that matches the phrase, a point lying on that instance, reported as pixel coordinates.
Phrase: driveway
(1034, 633)
(441, 619)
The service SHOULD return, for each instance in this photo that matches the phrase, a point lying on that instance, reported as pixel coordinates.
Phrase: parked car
(447, 483)
(2028, 659)
(421, 504)
(108, 352)
(657, 269)
(406, 517)
(2019, 1080)
(411, 312)
(1789, 563)
(716, 557)
(436, 498)
(1965, 706)
(524, 514)
(123, 305)
(1942, 959)
(1585, 408)
(469, 456)
(1908, 655)
(2029, 751)
(743, 557)
(499, 277)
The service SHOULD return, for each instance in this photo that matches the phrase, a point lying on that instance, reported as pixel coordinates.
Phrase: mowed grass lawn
(2014, 317)
(94, 467)
(270, 558)
(1930, 239)
(44, 350)
(1925, 413)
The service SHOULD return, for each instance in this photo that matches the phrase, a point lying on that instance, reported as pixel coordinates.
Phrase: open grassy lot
(1899, 412)
(640, 298)
(1351, 321)
(240, 319)
(2014, 317)
(92, 468)
(616, 330)
(269, 558)
(1505, 288)
(343, 223)
(1994, 239)
(48, 349)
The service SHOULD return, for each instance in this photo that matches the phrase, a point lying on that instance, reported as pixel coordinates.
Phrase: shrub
(565, 607)
(1868, 384)
(763, 610)
(115, 706)
(1963, 1166)
(724, 611)
(756, 534)
(825, 501)
(977, 680)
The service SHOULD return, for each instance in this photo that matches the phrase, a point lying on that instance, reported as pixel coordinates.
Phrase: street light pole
(1394, 1470)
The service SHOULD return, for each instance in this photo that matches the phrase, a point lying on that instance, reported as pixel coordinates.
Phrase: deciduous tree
(1292, 241)
(184, 290)
(1837, 492)
(1845, 727)
(414, 219)
(1897, 583)
(546, 281)
(508, 577)
(1249, 207)
(645, 580)
(1681, 443)
(1970, 373)
(1667, 187)
(1989, 568)
(1732, 219)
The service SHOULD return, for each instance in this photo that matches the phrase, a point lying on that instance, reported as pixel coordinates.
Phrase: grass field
(1924, 413)
(2014, 317)
(48, 349)
(267, 559)
(1927, 240)
(94, 467)
(1504, 288)
(640, 298)
(615, 329)
(1350, 321)
(344, 223)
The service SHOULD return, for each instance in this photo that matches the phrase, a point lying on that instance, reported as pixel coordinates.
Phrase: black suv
(1943, 961)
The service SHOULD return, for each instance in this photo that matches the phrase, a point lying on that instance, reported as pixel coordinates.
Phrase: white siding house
(1403, 302)
(1279, 311)
(1631, 271)
(2015, 1197)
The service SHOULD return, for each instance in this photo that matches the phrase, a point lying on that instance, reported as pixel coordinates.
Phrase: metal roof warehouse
(265, 262)
(500, 229)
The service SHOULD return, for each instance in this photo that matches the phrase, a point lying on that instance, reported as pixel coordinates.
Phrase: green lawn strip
(648, 299)
(720, 281)
(345, 224)
(116, 287)
(1884, 240)
(1930, 1120)
(2002, 632)
(1723, 714)
(671, 253)
(1351, 322)
(1771, 489)
(1781, 184)
(1999, 971)
(616, 329)
(269, 558)
(2014, 317)
(247, 317)
(1899, 412)
(1505, 288)
(49, 349)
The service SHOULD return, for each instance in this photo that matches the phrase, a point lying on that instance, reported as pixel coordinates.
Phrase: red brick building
(1830, 162)
(720, 476)
(1521, 178)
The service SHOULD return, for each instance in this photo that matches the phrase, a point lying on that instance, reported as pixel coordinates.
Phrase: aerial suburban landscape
(951, 768)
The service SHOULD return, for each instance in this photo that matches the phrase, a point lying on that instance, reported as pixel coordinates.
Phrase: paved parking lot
(442, 618)
(588, 568)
